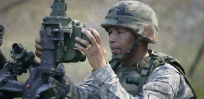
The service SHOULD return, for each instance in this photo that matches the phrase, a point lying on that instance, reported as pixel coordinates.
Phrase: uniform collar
(139, 64)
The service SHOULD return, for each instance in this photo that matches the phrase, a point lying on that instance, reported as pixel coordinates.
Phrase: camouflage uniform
(164, 81)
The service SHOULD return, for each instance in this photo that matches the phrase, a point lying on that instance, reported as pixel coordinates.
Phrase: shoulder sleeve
(86, 90)
(166, 82)
(109, 85)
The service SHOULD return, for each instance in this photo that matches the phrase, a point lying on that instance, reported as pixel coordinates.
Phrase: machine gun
(46, 81)
(23, 59)
(9, 86)
(58, 34)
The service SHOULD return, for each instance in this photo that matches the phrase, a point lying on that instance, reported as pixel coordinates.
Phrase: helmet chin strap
(121, 58)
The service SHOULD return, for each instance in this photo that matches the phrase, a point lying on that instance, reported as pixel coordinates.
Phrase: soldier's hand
(38, 51)
(95, 52)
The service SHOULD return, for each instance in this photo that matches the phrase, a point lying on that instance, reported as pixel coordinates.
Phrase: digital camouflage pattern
(136, 16)
(165, 82)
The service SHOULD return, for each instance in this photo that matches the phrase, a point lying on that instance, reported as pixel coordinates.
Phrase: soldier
(135, 72)
(3, 58)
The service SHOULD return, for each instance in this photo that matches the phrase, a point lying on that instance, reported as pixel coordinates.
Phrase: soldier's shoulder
(168, 62)
(166, 67)
(166, 70)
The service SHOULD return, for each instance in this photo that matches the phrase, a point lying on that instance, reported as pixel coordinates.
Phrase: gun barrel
(17, 48)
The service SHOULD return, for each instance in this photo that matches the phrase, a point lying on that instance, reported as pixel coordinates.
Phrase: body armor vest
(132, 78)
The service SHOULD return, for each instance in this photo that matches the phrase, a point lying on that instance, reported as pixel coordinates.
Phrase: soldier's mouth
(115, 50)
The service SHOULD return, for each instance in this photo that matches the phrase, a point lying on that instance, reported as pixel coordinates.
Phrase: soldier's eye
(119, 32)
(109, 32)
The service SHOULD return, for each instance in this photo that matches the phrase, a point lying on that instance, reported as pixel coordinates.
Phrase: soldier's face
(120, 40)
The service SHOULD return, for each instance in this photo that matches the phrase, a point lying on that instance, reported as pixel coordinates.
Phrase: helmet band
(131, 18)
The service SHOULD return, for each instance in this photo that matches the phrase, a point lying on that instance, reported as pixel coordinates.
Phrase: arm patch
(153, 96)
(88, 76)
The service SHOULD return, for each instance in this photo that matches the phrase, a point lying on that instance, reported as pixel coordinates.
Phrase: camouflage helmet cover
(134, 15)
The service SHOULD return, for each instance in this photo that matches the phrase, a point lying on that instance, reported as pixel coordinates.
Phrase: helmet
(134, 15)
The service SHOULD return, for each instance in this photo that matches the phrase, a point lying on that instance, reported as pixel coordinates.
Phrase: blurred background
(181, 33)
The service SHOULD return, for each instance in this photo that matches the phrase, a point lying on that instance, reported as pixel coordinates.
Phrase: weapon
(9, 86)
(58, 34)
(24, 59)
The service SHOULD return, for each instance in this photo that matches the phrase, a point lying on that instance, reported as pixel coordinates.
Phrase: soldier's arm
(86, 90)
(166, 83)
(109, 85)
